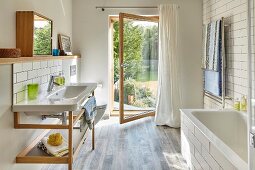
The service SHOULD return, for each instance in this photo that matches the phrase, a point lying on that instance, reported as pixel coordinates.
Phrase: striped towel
(212, 46)
(90, 112)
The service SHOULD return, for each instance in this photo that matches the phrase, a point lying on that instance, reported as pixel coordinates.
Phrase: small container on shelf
(55, 52)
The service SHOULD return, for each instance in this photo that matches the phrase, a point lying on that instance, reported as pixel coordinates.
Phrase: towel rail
(221, 99)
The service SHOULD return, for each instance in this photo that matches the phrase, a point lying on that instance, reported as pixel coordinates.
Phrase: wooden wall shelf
(35, 58)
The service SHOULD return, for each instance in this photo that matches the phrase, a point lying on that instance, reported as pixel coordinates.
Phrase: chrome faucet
(52, 83)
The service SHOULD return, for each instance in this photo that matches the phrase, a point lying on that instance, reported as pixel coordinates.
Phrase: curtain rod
(121, 7)
(126, 7)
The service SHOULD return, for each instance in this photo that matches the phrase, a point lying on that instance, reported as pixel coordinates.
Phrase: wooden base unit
(32, 154)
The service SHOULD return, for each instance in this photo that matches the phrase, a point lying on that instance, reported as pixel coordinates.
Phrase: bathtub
(215, 139)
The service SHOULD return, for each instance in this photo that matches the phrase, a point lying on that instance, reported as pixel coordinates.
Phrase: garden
(140, 64)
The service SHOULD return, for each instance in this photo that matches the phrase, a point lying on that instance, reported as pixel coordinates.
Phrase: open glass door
(138, 66)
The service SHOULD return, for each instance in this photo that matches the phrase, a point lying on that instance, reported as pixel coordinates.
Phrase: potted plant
(129, 91)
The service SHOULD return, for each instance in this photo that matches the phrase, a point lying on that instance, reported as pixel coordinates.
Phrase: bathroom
(88, 25)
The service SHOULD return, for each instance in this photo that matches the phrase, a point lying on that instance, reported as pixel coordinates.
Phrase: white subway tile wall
(235, 17)
(33, 72)
(198, 151)
(21, 76)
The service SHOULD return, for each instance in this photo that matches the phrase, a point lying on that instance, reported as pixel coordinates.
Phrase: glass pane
(140, 65)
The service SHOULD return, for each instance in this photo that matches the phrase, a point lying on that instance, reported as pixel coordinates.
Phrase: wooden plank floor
(138, 145)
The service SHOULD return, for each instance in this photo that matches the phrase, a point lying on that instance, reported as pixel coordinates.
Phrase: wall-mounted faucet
(52, 83)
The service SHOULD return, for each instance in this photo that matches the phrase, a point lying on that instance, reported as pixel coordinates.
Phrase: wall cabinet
(33, 33)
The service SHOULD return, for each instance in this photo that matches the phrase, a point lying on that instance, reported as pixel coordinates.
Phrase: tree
(132, 50)
(42, 40)
(150, 53)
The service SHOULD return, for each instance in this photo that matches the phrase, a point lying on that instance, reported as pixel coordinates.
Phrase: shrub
(143, 92)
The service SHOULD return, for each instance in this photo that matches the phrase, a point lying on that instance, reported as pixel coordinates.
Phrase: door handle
(123, 65)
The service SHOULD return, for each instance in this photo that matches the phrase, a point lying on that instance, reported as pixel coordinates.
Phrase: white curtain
(169, 96)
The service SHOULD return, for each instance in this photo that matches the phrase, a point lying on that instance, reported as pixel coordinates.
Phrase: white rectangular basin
(67, 92)
(65, 98)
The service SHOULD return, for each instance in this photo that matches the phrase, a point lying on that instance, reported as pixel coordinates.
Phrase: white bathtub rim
(232, 156)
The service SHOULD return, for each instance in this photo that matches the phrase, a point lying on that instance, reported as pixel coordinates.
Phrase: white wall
(60, 11)
(14, 140)
(90, 38)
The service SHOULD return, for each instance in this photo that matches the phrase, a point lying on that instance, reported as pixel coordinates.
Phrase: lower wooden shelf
(33, 154)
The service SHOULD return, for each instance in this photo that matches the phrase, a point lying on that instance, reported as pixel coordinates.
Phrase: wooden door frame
(121, 59)
(112, 19)
(111, 64)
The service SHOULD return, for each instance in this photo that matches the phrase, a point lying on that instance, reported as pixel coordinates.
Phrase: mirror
(42, 35)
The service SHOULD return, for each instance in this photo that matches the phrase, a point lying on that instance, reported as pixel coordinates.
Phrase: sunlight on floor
(173, 158)
(186, 150)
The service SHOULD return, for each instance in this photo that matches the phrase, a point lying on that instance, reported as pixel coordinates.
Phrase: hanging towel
(89, 113)
(205, 58)
(213, 48)
(213, 82)
(217, 47)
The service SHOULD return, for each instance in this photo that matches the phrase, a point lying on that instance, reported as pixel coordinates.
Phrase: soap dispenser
(237, 104)
(243, 104)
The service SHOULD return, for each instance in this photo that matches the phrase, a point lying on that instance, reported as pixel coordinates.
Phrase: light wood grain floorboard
(138, 145)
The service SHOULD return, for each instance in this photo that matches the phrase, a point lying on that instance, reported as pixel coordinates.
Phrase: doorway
(134, 63)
